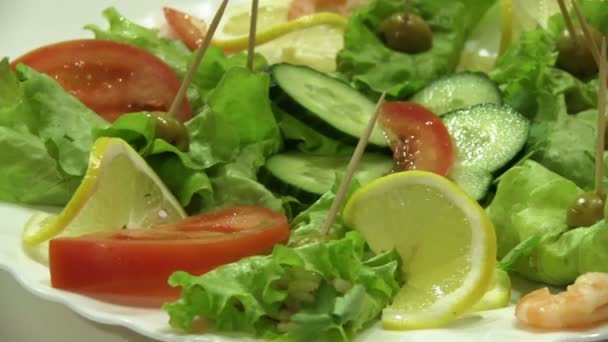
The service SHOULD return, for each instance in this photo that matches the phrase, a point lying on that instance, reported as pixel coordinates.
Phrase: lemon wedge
(316, 46)
(445, 239)
(313, 40)
(119, 191)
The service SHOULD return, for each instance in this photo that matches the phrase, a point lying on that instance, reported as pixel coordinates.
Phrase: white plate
(30, 23)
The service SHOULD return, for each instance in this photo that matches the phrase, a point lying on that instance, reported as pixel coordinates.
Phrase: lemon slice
(316, 47)
(446, 241)
(232, 33)
(235, 22)
(499, 294)
(312, 40)
(119, 191)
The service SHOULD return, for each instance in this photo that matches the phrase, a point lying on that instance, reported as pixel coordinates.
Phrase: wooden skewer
(351, 168)
(252, 33)
(177, 102)
(601, 123)
(587, 31)
(568, 20)
(408, 7)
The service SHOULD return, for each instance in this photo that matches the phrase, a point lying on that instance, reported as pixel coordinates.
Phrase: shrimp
(299, 8)
(583, 304)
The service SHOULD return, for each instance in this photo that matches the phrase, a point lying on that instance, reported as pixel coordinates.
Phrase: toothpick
(408, 7)
(352, 166)
(601, 123)
(568, 20)
(252, 33)
(587, 31)
(177, 102)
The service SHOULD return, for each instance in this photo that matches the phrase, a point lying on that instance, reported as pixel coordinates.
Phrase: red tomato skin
(132, 266)
(189, 29)
(419, 139)
(110, 78)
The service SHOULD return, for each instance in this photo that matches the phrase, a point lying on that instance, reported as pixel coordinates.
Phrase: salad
(248, 168)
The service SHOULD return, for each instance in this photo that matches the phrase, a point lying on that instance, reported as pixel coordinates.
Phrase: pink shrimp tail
(583, 304)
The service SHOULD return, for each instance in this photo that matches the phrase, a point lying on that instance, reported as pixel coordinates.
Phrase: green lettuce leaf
(532, 202)
(521, 71)
(526, 71)
(250, 114)
(596, 14)
(568, 148)
(507, 262)
(559, 105)
(45, 138)
(371, 64)
(324, 291)
(308, 225)
(307, 139)
(236, 182)
(317, 288)
(229, 141)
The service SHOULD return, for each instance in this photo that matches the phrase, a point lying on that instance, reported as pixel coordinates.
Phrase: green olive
(170, 129)
(586, 210)
(574, 56)
(407, 33)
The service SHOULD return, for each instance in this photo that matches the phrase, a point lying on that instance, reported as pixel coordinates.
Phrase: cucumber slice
(486, 137)
(476, 184)
(458, 91)
(309, 176)
(327, 104)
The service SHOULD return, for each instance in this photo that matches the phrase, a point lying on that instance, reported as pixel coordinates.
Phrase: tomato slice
(418, 138)
(300, 8)
(189, 29)
(110, 78)
(132, 266)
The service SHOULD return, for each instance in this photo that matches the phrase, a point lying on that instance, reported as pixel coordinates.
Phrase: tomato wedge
(300, 8)
(110, 78)
(418, 138)
(132, 266)
(189, 29)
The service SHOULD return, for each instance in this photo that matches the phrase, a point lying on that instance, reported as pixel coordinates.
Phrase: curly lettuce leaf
(317, 288)
(532, 202)
(45, 138)
(324, 291)
(371, 64)
(527, 69)
(521, 71)
(236, 182)
(308, 224)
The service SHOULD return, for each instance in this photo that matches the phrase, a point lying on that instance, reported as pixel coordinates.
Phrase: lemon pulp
(119, 191)
(445, 240)
(313, 40)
